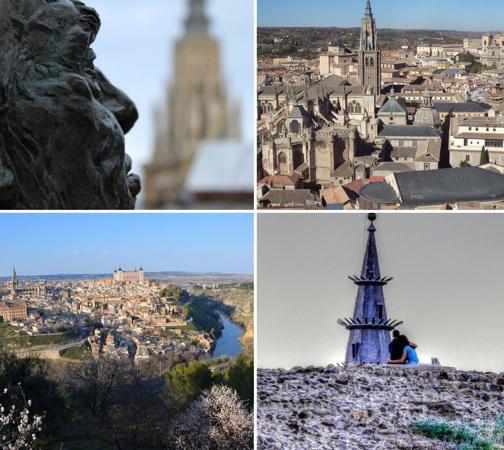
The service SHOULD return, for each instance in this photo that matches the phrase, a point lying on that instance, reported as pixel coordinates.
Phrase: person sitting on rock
(396, 346)
(408, 355)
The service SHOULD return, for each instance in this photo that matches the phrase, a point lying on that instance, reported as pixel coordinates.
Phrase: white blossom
(217, 420)
(18, 427)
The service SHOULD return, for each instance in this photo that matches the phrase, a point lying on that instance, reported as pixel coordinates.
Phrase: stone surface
(368, 407)
(62, 123)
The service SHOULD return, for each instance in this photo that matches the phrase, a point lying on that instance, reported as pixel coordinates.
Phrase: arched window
(354, 107)
(371, 61)
(282, 164)
(294, 127)
(367, 61)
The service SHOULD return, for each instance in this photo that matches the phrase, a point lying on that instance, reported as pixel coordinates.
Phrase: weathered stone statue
(62, 123)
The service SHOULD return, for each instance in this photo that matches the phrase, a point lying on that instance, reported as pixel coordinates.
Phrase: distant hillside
(305, 42)
(211, 277)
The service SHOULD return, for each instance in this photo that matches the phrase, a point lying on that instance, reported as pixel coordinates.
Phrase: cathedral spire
(197, 22)
(14, 282)
(370, 326)
(371, 265)
(369, 11)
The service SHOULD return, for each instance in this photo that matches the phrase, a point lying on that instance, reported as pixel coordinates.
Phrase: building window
(282, 162)
(468, 158)
(401, 143)
(465, 142)
(494, 143)
(294, 127)
(380, 312)
(354, 108)
(426, 166)
(355, 350)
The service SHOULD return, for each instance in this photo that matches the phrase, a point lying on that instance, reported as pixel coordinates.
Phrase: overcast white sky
(448, 285)
(134, 49)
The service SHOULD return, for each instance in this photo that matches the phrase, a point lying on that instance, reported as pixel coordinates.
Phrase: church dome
(428, 116)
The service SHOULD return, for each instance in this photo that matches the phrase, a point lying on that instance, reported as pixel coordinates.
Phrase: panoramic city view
(372, 107)
(119, 357)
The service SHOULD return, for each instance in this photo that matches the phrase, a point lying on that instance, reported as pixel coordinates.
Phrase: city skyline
(390, 14)
(46, 244)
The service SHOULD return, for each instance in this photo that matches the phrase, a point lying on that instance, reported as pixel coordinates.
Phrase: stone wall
(369, 407)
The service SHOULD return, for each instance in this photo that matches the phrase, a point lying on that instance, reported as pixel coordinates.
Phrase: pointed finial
(371, 218)
(197, 22)
(369, 11)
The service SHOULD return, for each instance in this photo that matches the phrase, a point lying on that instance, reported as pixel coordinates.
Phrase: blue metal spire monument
(370, 326)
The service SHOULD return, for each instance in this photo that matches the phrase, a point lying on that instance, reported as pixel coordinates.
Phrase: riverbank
(229, 343)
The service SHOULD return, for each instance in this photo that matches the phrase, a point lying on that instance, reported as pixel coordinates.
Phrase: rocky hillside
(372, 407)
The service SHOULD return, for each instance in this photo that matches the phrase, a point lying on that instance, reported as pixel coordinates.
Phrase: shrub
(218, 420)
(185, 383)
(451, 432)
(18, 426)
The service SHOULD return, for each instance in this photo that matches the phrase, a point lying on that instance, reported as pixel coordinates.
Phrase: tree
(465, 163)
(485, 157)
(32, 374)
(122, 407)
(18, 426)
(240, 377)
(466, 57)
(218, 420)
(185, 383)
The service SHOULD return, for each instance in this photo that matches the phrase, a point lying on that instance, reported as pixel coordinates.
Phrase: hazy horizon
(447, 285)
(92, 243)
(383, 28)
(390, 14)
(90, 274)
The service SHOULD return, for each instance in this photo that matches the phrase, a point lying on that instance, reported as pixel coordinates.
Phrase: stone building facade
(13, 311)
(468, 137)
(134, 276)
(492, 53)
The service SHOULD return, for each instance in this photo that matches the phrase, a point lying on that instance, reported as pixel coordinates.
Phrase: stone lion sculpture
(62, 123)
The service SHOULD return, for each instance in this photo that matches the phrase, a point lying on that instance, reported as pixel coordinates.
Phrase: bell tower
(369, 54)
(370, 326)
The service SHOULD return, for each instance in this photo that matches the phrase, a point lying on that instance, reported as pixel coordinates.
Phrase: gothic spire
(369, 11)
(370, 325)
(371, 266)
(197, 22)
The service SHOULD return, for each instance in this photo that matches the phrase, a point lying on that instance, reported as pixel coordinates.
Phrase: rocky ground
(369, 407)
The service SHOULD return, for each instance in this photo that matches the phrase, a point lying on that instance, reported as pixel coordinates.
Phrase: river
(229, 342)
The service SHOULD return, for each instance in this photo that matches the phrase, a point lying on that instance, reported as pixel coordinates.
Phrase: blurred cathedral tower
(196, 109)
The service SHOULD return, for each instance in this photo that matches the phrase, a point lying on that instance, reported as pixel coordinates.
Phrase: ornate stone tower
(370, 326)
(369, 54)
(14, 283)
(196, 109)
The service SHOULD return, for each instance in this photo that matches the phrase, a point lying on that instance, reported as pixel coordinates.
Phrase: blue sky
(135, 46)
(45, 244)
(464, 15)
